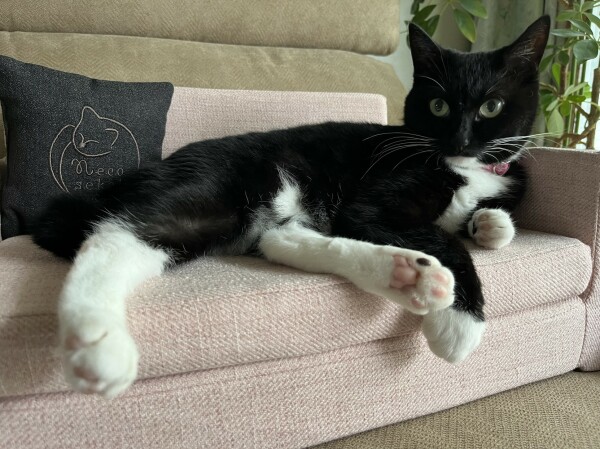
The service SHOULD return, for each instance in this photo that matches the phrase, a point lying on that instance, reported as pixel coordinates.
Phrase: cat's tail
(65, 224)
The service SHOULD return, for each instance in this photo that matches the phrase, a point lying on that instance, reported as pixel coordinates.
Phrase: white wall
(447, 35)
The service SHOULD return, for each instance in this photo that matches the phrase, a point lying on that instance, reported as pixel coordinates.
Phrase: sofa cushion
(364, 26)
(200, 114)
(297, 402)
(193, 64)
(215, 312)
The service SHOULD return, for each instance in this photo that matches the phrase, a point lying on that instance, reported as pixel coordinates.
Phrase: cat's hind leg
(99, 354)
(413, 279)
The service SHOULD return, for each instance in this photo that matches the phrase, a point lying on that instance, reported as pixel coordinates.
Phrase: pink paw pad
(85, 374)
(428, 285)
(73, 342)
(403, 274)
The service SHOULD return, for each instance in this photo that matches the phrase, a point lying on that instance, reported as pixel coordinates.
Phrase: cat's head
(471, 104)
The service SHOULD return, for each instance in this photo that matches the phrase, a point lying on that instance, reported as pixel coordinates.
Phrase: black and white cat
(378, 205)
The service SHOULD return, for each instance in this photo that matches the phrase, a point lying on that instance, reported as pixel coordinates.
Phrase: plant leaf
(585, 50)
(555, 123)
(423, 14)
(563, 57)
(465, 24)
(475, 7)
(545, 63)
(552, 106)
(586, 6)
(431, 24)
(564, 109)
(594, 19)
(556, 73)
(576, 98)
(414, 8)
(581, 25)
(566, 15)
(574, 88)
(546, 98)
(567, 33)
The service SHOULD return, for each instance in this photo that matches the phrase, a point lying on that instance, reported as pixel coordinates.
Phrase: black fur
(362, 181)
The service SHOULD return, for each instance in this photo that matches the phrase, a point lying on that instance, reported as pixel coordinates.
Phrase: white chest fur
(480, 184)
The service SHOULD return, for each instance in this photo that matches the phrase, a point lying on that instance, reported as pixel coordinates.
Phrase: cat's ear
(530, 46)
(425, 52)
(88, 112)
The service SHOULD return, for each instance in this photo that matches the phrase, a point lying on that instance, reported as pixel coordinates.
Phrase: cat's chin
(464, 162)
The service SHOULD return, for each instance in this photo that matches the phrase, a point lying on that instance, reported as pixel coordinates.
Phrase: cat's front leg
(413, 279)
(491, 228)
(99, 355)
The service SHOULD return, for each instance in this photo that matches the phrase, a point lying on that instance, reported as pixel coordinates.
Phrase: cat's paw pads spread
(491, 228)
(419, 282)
(99, 357)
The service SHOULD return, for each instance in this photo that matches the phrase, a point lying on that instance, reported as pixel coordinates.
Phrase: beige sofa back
(362, 26)
(105, 42)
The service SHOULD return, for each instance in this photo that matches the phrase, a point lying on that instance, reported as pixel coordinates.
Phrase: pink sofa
(237, 352)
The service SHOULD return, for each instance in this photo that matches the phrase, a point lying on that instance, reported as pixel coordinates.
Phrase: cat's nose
(460, 144)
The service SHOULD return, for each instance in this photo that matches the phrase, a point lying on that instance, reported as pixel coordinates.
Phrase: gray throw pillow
(67, 133)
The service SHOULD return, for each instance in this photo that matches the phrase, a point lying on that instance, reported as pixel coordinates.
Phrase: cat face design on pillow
(97, 149)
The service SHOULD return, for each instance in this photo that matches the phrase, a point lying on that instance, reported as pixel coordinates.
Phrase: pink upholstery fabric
(564, 199)
(297, 402)
(217, 312)
(199, 114)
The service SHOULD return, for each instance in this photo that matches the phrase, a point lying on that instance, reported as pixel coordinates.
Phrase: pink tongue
(499, 169)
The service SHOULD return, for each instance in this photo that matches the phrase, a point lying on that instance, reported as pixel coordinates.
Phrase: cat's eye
(439, 107)
(491, 108)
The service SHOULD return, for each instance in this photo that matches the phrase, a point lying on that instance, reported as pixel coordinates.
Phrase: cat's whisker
(499, 149)
(431, 79)
(516, 145)
(398, 133)
(388, 152)
(397, 145)
(501, 78)
(407, 141)
(529, 137)
(412, 155)
(490, 154)
(394, 150)
(396, 140)
(520, 152)
(433, 154)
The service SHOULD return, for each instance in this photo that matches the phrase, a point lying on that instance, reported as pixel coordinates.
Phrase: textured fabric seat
(217, 312)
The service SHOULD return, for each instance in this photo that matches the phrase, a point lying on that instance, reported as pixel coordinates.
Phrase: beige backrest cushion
(193, 64)
(363, 26)
(201, 114)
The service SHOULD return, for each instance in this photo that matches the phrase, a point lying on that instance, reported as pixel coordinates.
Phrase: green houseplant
(569, 99)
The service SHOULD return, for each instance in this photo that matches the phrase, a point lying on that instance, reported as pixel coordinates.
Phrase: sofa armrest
(563, 196)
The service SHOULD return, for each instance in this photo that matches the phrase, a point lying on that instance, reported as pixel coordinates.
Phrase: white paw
(452, 334)
(99, 354)
(413, 279)
(491, 228)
